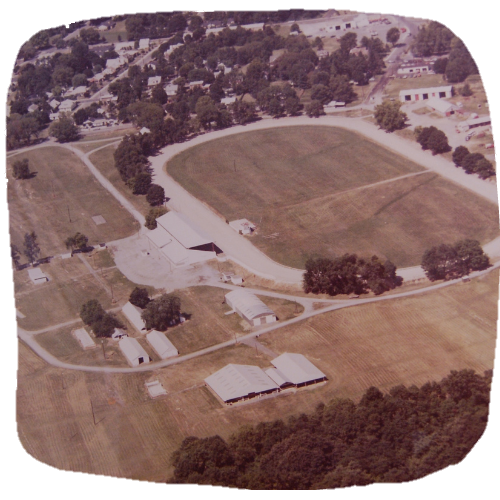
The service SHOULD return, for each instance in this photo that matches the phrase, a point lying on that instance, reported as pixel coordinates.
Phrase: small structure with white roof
(119, 334)
(67, 105)
(37, 276)
(171, 89)
(144, 130)
(133, 351)
(242, 226)
(133, 314)
(154, 80)
(334, 105)
(240, 382)
(54, 103)
(228, 100)
(144, 43)
(155, 388)
(442, 106)
(295, 369)
(250, 307)
(32, 108)
(161, 344)
(84, 338)
(116, 63)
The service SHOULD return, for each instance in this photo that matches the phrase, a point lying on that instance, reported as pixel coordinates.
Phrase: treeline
(436, 39)
(350, 274)
(403, 435)
(445, 261)
(473, 163)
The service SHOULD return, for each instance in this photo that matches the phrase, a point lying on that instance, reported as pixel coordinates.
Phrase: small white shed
(84, 338)
(37, 276)
(133, 351)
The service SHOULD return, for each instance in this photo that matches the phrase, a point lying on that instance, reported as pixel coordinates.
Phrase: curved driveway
(237, 247)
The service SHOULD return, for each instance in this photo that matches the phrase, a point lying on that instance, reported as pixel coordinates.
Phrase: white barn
(250, 307)
(412, 95)
(161, 344)
(474, 122)
(240, 382)
(181, 241)
(441, 106)
(84, 338)
(414, 68)
(133, 351)
(133, 314)
(295, 369)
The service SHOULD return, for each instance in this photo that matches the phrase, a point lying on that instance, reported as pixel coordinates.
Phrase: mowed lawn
(405, 341)
(301, 186)
(61, 200)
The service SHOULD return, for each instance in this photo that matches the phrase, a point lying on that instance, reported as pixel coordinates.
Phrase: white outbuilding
(295, 369)
(171, 89)
(242, 226)
(161, 344)
(133, 351)
(84, 338)
(37, 276)
(250, 307)
(67, 105)
(240, 382)
(441, 106)
(144, 43)
(133, 314)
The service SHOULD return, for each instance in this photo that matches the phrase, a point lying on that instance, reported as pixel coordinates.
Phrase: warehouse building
(240, 382)
(294, 369)
(412, 95)
(161, 344)
(181, 241)
(250, 307)
(133, 351)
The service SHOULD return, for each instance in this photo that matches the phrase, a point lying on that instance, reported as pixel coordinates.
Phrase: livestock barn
(250, 307)
(292, 369)
(240, 382)
(161, 344)
(133, 314)
(133, 351)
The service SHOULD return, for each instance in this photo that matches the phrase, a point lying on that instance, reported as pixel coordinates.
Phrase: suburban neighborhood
(248, 246)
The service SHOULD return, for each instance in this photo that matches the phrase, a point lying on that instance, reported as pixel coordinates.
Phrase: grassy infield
(408, 340)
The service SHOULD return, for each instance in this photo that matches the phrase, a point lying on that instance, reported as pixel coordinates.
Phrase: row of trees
(349, 274)
(102, 323)
(402, 435)
(473, 163)
(31, 249)
(432, 138)
(444, 262)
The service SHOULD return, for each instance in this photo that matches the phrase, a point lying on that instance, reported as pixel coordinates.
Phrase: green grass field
(62, 184)
(301, 185)
(410, 340)
(395, 85)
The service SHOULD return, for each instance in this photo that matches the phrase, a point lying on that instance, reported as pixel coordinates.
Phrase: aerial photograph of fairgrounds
(252, 249)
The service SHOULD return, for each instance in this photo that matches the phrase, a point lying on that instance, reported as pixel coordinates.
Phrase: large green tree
(64, 129)
(162, 312)
(21, 169)
(389, 116)
(392, 35)
(78, 240)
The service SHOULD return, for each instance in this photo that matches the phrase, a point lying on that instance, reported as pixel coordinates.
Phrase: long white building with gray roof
(250, 307)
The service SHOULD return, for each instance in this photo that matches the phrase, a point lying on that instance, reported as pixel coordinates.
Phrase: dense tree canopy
(444, 262)
(392, 36)
(162, 312)
(31, 247)
(403, 435)
(21, 169)
(432, 39)
(64, 129)
(79, 240)
(103, 324)
(389, 116)
(139, 297)
(432, 138)
(152, 215)
(349, 274)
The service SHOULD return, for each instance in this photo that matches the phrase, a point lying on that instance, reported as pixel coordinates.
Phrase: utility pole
(69, 216)
(103, 353)
(93, 414)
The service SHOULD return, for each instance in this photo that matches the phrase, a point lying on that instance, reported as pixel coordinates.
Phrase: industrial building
(181, 241)
(412, 95)
(250, 307)
(161, 344)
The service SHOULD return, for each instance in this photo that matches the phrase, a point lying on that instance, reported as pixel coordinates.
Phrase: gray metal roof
(248, 304)
(183, 230)
(161, 344)
(297, 368)
(238, 381)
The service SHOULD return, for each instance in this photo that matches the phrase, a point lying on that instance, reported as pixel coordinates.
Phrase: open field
(301, 187)
(86, 147)
(395, 85)
(105, 163)
(62, 184)
(114, 134)
(410, 341)
(71, 285)
(116, 34)
(470, 104)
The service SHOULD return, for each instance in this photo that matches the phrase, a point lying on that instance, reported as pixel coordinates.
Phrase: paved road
(28, 337)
